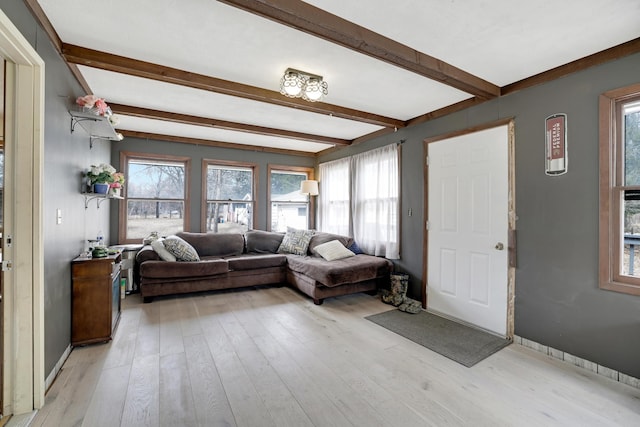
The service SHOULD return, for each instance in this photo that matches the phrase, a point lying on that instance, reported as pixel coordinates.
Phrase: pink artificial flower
(87, 101)
(101, 106)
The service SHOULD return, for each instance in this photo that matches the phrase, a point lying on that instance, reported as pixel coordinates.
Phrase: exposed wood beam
(121, 64)
(449, 109)
(147, 113)
(317, 22)
(208, 143)
(616, 52)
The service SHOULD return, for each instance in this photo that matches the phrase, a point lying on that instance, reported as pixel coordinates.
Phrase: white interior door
(467, 262)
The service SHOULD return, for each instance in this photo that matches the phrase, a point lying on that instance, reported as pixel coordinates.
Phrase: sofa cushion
(347, 270)
(295, 242)
(333, 250)
(252, 262)
(168, 270)
(263, 242)
(162, 252)
(321, 237)
(182, 250)
(214, 244)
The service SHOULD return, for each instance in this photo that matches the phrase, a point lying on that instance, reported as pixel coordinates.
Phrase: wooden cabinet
(95, 299)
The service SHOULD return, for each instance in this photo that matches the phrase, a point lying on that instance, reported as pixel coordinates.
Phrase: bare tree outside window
(155, 197)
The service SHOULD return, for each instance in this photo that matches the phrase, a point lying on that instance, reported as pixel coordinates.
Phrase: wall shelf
(99, 198)
(98, 127)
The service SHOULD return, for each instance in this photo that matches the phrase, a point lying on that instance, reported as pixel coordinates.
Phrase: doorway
(469, 248)
(23, 305)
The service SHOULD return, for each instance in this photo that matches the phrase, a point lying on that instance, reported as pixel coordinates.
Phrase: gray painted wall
(66, 156)
(558, 302)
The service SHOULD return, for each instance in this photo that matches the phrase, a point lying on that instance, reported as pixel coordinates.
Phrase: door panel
(468, 220)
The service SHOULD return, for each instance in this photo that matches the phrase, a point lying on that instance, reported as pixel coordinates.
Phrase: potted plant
(116, 186)
(100, 177)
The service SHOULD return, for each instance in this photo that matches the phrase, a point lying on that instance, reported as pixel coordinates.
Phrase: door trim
(510, 122)
(23, 388)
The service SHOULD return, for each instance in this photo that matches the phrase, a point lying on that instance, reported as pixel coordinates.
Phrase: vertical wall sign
(556, 144)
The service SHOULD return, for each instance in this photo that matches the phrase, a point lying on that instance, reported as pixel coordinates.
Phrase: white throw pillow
(162, 252)
(333, 250)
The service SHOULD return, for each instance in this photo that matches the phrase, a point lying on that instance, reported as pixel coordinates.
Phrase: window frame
(125, 157)
(611, 233)
(232, 164)
(311, 203)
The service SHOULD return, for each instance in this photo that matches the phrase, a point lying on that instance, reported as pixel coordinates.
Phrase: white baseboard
(578, 361)
(56, 369)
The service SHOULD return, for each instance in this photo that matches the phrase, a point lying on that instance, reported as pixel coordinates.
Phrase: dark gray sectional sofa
(251, 259)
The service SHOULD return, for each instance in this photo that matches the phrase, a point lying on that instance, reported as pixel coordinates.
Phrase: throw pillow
(162, 252)
(355, 248)
(182, 250)
(333, 250)
(295, 242)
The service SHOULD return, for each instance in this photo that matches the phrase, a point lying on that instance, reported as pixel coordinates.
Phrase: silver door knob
(499, 246)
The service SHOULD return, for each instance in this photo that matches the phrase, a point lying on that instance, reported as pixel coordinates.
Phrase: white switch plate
(58, 216)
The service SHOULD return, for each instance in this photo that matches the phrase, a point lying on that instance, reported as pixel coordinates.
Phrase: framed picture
(556, 144)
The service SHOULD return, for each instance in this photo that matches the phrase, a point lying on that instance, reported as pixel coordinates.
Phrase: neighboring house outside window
(620, 190)
(156, 200)
(229, 189)
(289, 207)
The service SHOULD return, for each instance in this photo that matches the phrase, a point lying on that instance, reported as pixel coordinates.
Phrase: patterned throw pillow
(295, 242)
(333, 250)
(163, 253)
(182, 250)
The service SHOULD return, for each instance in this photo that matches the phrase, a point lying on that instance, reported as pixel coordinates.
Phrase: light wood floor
(269, 357)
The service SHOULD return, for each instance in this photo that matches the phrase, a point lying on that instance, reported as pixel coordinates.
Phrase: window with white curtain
(360, 195)
(333, 210)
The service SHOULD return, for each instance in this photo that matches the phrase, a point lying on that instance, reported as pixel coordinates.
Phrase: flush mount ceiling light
(298, 84)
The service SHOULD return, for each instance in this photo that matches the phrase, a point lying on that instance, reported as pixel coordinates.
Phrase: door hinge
(427, 225)
(7, 265)
(426, 159)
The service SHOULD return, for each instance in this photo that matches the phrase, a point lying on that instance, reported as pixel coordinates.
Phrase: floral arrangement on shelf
(101, 174)
(94, 104)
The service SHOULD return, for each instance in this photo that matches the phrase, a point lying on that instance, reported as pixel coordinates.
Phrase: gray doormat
(458, 342)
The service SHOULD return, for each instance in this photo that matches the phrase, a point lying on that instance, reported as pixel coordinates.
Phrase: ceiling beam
(120, 64)
(187, 119)
(317, 22)
(625, 49)
(209, 143)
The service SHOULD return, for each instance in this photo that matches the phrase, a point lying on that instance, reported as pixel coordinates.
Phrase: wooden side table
(95, 299)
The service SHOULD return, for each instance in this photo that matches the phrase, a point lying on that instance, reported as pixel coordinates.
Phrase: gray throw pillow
(182, 250)
(295, 242)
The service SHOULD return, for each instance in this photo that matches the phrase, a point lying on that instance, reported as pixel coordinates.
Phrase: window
(359, 196)
(230, 199)
(289, 207)
(155, 196)
(334, 207)
(620, 190)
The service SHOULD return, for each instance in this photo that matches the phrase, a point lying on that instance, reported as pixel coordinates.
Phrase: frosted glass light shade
(309, 187)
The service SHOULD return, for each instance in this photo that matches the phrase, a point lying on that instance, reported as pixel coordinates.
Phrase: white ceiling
(500, 41)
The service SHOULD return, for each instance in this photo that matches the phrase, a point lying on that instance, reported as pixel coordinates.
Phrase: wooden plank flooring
(270, 357)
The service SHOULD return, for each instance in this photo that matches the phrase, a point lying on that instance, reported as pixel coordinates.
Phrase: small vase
(100, 188)
(115, 192)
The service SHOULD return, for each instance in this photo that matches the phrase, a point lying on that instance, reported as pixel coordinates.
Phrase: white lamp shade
(309, 187)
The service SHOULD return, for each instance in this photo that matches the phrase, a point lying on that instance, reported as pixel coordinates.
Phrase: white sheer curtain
(333, 200)
(375, 201)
